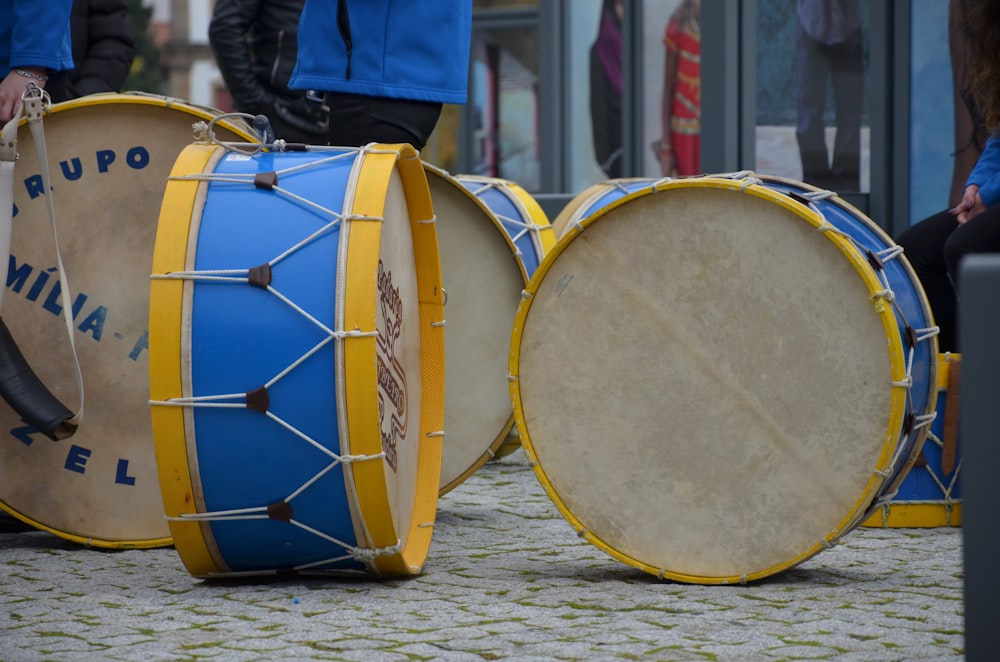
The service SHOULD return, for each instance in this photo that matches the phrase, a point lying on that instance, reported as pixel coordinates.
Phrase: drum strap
(19, 386)
(949, 436)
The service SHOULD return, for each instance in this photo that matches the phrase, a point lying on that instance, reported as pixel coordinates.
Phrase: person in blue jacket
(936, 245)
(385, 67)
(34, 41)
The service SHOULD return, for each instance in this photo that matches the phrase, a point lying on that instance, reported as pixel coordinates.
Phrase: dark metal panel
(720, 85)
(552, 95)
(980, 430)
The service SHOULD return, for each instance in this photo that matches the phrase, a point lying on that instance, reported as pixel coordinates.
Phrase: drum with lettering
(710, 380)
(109, 157)
(595, 196)
(297, 360)
(492, 236)
(931, 492)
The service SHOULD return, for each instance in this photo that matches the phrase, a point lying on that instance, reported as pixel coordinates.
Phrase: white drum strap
(34, 102)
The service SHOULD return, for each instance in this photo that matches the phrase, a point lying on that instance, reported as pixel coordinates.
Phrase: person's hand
(970, 206)
(12, 90)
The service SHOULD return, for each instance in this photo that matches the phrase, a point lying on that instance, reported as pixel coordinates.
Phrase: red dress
(683, 36)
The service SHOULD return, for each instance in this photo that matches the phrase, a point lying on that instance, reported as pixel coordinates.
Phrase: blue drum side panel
(242, 336)
(617, 194)
(921, 483)
(505, 209)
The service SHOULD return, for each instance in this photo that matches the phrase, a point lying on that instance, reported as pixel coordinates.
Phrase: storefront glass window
(813, 91)
(671, 88)
(503, 99)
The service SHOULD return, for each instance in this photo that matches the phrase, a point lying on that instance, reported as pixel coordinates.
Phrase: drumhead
(483, 281)
(705, 383)
(109, 158)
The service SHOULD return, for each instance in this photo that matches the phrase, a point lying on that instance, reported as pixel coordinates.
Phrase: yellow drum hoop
(359, 357)
(884, 311)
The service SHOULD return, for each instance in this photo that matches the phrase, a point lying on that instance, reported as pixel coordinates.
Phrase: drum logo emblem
(391, 374)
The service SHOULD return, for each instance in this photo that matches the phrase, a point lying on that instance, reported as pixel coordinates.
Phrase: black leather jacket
(103, 49)
(254, 42)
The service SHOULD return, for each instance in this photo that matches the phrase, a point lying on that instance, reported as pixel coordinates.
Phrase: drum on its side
(931, 492)
(109, 157)
(492, 236)
(734, 396)
(297, 361)
(596, 196)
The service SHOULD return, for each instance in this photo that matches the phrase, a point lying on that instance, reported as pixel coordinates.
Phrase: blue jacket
(986, 173)
(408, 49)
(35, 33)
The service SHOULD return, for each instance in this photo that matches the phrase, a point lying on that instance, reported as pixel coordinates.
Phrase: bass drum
(109, 157)
(736, 393)
(297, 361)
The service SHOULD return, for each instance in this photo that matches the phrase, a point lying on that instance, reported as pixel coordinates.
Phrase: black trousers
(935, 247)
(817, 64)
(357, 120)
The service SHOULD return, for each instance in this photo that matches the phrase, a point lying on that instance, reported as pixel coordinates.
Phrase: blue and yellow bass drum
(297, 360)
(712, 381)
(109, 156)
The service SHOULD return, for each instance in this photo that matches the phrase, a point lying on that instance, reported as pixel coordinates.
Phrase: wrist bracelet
(28, 74)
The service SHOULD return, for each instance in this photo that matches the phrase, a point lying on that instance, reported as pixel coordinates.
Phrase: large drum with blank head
(492, 236)
(297, 360)
(712, 379)
(109, 157)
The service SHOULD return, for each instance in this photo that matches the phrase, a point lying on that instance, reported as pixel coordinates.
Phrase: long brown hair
(982, 26)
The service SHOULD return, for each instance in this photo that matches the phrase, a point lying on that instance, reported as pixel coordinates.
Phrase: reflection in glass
(811, 99)
(503, 98)
(679, 151)
(670, 88)
(606, 88)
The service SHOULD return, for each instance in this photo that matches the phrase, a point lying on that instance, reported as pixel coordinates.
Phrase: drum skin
(731, 401)
(297, 361)
(492, 235)
(109, 157)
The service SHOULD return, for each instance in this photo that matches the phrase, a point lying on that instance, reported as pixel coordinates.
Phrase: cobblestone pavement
(506, 578)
